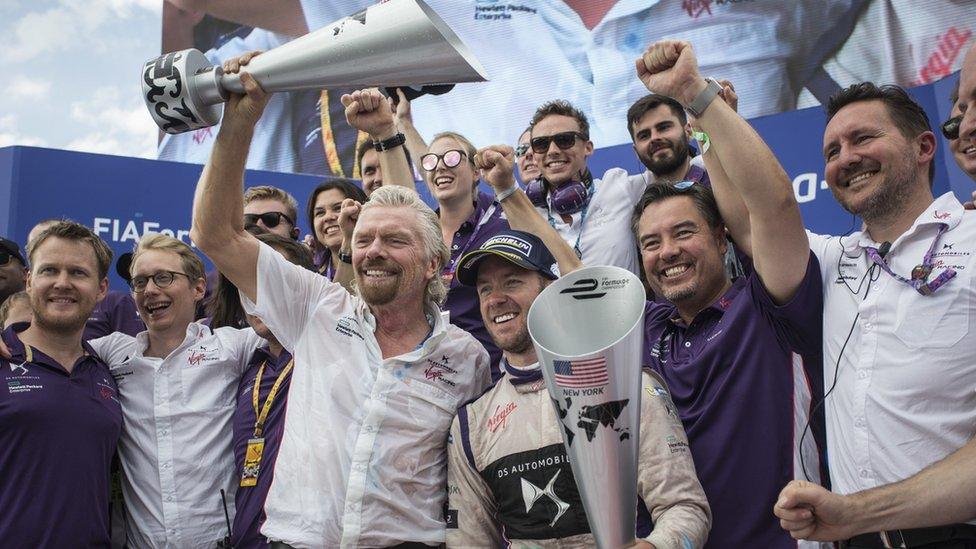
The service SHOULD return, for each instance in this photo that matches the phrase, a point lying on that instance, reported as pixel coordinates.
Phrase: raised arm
(497, 163)
(367, 110)
(729, 201)
(218, 204)
(416, 146)
(780, 249)
(943, 493)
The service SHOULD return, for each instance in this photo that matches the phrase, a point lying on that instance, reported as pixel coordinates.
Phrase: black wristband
(391, 143)
(345, 258)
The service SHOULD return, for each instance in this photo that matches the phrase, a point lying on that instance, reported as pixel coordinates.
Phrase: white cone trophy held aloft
(396, 43)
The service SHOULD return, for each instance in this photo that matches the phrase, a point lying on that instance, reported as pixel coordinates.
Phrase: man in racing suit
(509, 477)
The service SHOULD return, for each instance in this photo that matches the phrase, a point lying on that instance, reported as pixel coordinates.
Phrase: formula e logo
(584, 289)
(532, 493)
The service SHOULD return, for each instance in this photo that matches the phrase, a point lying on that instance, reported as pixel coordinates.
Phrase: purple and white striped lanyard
(921, 272)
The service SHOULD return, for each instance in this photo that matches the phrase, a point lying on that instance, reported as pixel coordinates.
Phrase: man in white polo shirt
(377, 377)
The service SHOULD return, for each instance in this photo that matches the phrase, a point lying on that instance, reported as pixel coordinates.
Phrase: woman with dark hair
(324, 205)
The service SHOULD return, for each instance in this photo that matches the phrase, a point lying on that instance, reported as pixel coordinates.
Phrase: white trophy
(395, 43)
(587, 328)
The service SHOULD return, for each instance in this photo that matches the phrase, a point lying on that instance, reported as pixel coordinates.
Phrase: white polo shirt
(606, 238)
(176, 447)
(363, 457)
(905, 392)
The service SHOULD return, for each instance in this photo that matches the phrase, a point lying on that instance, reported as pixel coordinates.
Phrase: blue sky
(71, 73)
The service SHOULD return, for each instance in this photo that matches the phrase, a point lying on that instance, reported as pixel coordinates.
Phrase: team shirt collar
(944, 210)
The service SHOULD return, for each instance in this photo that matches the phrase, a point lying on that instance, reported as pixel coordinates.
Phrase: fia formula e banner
(780, 54)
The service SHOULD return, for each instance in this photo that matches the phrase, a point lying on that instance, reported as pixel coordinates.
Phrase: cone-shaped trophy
(395, 43)
(587, 328)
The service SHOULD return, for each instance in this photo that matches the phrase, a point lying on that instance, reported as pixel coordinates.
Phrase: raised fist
(497, 163)
(348, 215)
(367, 110)
(669, 67)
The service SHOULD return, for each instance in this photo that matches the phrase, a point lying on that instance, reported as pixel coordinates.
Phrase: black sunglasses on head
(563, 140)
(270, 219)
(950, 128)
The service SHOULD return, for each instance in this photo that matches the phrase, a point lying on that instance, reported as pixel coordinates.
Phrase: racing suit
(510, 483)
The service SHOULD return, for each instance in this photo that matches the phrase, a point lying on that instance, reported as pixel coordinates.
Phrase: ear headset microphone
(870, 276)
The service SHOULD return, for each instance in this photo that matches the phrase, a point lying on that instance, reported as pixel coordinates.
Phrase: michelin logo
(509, 241)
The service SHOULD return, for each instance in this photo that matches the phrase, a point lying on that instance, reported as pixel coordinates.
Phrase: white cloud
(10, 134)
(72, 23)
(22, 87)
(114, 124)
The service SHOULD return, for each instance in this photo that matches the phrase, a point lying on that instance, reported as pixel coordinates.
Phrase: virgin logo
(943, 215)
(195, 358)
(500, 418)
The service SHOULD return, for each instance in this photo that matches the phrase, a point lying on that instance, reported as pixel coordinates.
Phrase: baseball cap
(521, 248)
(13, 249)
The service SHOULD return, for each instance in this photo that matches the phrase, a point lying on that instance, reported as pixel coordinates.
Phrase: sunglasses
(521, 150)
(450, 158)
(270, 219)
(161, 279)
(950, 128)
(563, 140)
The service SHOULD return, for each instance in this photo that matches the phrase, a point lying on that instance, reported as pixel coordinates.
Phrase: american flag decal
(581, 374)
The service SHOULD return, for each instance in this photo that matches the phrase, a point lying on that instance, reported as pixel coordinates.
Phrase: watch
(391, 143)
(344, 257)
(705, 98)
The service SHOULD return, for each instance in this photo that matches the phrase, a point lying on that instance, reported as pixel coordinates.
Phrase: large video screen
(780, 54)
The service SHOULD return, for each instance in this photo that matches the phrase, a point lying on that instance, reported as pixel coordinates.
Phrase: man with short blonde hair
(177, 383)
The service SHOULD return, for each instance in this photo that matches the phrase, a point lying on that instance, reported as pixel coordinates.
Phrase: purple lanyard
(921, 272)
(450, 269)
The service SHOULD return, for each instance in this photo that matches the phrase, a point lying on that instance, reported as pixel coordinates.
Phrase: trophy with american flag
(587, 332)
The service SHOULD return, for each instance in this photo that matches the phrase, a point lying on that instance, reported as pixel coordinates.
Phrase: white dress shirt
(606, 238)
(363, 457)
(176, 446)
(905, 393)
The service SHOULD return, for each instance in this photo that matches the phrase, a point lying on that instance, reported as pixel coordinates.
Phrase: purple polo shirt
(116, 313)
(250, 499)
(462, 301)
(731, 377)
(58, 434)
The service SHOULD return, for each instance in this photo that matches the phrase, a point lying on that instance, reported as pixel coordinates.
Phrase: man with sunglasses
(177, 384)
(963, 150)
(590, 214)
(13, 269)
(528, 168)
(273, 209)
